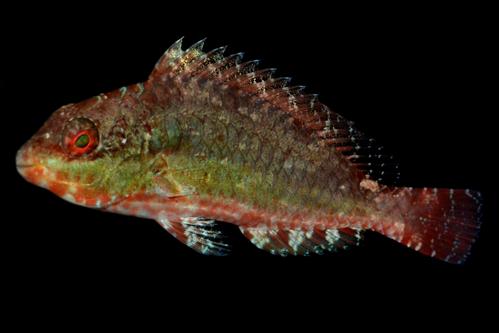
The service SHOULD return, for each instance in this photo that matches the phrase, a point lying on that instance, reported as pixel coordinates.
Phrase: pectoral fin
(200, 234)
(168, 187)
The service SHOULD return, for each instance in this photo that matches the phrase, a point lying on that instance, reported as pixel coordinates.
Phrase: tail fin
(441, 223)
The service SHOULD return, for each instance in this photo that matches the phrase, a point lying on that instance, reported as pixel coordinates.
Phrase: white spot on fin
(203, 235)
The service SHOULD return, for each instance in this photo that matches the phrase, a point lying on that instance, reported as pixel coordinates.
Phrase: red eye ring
(89, 145)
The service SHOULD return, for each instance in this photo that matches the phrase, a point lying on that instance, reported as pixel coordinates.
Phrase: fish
(210, 139)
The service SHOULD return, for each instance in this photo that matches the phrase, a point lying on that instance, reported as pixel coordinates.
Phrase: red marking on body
(104, 199)
(35, 174)
(58, 188)
(126, 204)
(227, 210)
(90, 201)
(79, 196)
(58, 175)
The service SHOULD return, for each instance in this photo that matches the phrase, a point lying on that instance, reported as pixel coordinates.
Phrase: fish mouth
(33, 173)
(24, 166)
(26, 170)
(23, 159)
(29, 167)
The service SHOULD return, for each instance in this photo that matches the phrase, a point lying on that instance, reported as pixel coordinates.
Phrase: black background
(416, 79)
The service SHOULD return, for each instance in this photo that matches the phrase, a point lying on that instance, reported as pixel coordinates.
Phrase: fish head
(85, 153)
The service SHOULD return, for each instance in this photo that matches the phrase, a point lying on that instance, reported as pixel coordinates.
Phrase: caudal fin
(442, 223)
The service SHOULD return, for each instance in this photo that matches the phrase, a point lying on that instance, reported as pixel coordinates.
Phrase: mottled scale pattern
(258, 154)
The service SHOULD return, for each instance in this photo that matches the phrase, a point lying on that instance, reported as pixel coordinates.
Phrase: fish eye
(82, 140)
(80, 137)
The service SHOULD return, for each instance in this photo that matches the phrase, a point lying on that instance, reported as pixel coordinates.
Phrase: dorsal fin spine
(173, 52)
(198, 46)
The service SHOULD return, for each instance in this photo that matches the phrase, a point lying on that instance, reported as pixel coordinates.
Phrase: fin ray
(200, 234)
(300, 241)
(442, 223)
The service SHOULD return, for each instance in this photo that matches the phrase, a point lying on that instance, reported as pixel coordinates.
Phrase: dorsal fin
(325, 126)
(362, 151)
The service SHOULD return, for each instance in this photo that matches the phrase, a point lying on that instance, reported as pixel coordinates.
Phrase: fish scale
(210, 139)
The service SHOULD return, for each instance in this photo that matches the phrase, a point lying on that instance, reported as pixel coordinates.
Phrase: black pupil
(82, 141)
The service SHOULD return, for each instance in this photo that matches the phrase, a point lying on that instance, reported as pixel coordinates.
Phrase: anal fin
(200, 234)
(301, 241)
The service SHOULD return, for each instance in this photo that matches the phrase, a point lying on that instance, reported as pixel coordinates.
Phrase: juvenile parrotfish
(209, 139)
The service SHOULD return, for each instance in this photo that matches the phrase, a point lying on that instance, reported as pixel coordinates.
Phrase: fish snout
(22, 158)
(28, 166)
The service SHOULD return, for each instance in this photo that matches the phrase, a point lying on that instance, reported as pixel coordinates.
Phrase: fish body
(209, 138)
